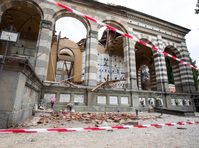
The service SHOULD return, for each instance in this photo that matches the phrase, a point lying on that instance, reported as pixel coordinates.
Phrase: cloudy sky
(180, 12)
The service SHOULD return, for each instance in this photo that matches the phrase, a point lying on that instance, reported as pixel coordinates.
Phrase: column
(132, 63)
(91, 59)
(126, 61)
(133, 76)
(43, 49)
(160, 68)
(186, 71)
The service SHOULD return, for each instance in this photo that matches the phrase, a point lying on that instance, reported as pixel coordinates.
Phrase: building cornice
(132, 15)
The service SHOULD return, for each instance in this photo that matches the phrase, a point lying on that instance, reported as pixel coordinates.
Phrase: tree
(195, 74)
(197, 9)
(169, 71)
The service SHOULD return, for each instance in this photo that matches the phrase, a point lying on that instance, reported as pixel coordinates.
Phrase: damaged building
(106, 73)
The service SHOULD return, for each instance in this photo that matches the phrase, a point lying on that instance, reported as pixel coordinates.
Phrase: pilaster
(43, 49)
(186, 71)
(91, 59)
(132, 67)
(160, 68)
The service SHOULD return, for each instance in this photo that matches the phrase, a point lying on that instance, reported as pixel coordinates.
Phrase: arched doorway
(173, 70)
(112, 60)
(70, 32)
(144, 78)
(65, 62)
(22, 17)
(145, 67)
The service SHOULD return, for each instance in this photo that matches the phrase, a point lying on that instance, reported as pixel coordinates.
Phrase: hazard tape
(122, 33)
(117, 127)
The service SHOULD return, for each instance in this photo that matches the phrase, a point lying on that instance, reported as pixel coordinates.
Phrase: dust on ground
(186, 136)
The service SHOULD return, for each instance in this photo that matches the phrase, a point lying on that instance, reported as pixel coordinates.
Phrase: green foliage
(195, 74)
(197, 9)
(169, 71)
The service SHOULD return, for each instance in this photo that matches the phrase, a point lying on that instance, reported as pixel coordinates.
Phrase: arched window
(24, 18)
(146, 76)
(173, 70)
(111, 61)
(65, 64)
(70, 32)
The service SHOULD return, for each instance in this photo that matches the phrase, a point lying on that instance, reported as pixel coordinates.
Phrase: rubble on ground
(97, 119)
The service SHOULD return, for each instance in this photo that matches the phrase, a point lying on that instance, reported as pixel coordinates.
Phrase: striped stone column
(91, 59)
(186, 71)
(177, 77)
(43, 49)
(139, 83)
(126, 61)
(161, 72)
(133, 77)
(160, 68)
(153, 79)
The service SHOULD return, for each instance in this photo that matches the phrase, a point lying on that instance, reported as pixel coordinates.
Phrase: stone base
(4, 117)
(11, 119)
(20, 89)
(98, 108)
(175, 112)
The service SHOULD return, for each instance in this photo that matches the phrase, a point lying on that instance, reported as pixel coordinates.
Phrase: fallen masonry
(123, 62)
(97, 119)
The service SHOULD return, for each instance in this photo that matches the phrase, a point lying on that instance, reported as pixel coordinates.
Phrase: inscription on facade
(124, 100)
(101, 99)
(113, 100)
(64, 98)
(79, 98)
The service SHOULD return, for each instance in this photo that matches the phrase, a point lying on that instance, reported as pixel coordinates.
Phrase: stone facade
(125, 59)
(20, 90)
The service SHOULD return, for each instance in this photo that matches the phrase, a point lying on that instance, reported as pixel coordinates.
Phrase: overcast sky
(180, 12)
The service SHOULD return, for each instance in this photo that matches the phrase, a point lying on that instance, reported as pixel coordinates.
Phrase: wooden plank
(106, 83)
(98, 86)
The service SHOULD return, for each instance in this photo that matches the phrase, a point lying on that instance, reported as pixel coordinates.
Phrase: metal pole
(136, 111)
(4, 56)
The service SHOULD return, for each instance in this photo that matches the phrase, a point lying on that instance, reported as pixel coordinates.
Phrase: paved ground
(165, 137)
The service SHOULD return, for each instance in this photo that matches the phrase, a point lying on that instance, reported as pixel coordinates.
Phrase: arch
(23, 17)
(64, 66)
(66, 51)
(169, 44)
(78, 48)
(173, 50)
(28, 3)
(110, 38)
(144, 78)
(115, 24)
(64, 13)
(113, 55)
(173, 68)
(145, 56)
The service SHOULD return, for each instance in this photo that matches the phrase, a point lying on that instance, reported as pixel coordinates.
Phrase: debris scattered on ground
(97, 119)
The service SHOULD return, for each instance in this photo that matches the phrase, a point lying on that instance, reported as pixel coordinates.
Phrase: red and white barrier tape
(50, 130)
(122, 33)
